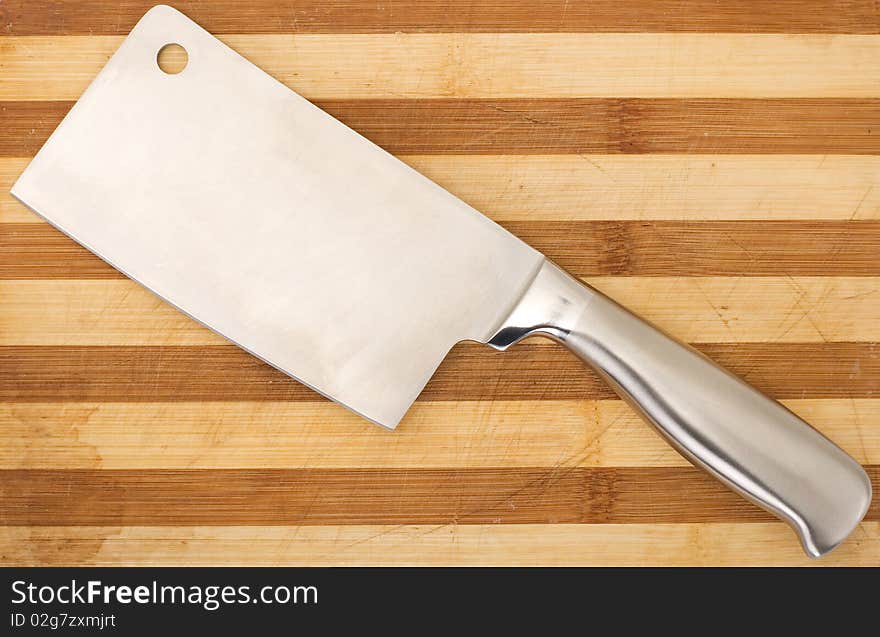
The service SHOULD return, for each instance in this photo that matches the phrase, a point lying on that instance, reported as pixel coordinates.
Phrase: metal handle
(751, 443)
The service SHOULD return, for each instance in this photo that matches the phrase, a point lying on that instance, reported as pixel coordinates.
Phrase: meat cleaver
(261, 216)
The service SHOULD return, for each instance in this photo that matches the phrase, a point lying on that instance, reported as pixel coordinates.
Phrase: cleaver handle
(749, 442)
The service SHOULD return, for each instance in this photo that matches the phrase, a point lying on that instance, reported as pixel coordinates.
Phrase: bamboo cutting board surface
(714, 165)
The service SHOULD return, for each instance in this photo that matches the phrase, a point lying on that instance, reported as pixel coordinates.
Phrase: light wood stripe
(70, 17)
(561, 126)
(497, 65)
(531, 371)
(321, 435)
(696, 309)
(584, 248)
(543, 495)
(720, 544)
(12, 210)
(656, 187)
(756, 544)
(623, 187)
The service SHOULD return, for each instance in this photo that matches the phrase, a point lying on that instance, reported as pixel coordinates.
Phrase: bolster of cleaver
(748, 441)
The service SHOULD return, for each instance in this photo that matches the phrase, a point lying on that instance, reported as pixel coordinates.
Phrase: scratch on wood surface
(861, 201)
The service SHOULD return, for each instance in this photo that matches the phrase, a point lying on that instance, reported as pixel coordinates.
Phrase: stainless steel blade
(258, 214)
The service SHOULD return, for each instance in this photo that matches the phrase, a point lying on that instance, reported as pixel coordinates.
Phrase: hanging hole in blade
(172, 58)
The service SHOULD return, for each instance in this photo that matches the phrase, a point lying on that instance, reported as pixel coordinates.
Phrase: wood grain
(440, 434)
(719, 544)
(70, 17)
(542, 126)
(682, 187)
(573, 495)
(501, 65)
(584, 248)
(672, 544)
(661, 187)
(713, 164)
(534, 371)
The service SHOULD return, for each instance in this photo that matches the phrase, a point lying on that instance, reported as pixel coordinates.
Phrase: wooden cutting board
(713, 165)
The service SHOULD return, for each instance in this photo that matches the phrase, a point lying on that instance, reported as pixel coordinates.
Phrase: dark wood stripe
(370, 496)
(585, 248)
(25, 126)
(530, 371)
(85, 17)
(707, 248)
(600, 125)
(39, 251)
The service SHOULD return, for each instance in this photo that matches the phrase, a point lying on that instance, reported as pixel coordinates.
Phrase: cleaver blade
(261, 216)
